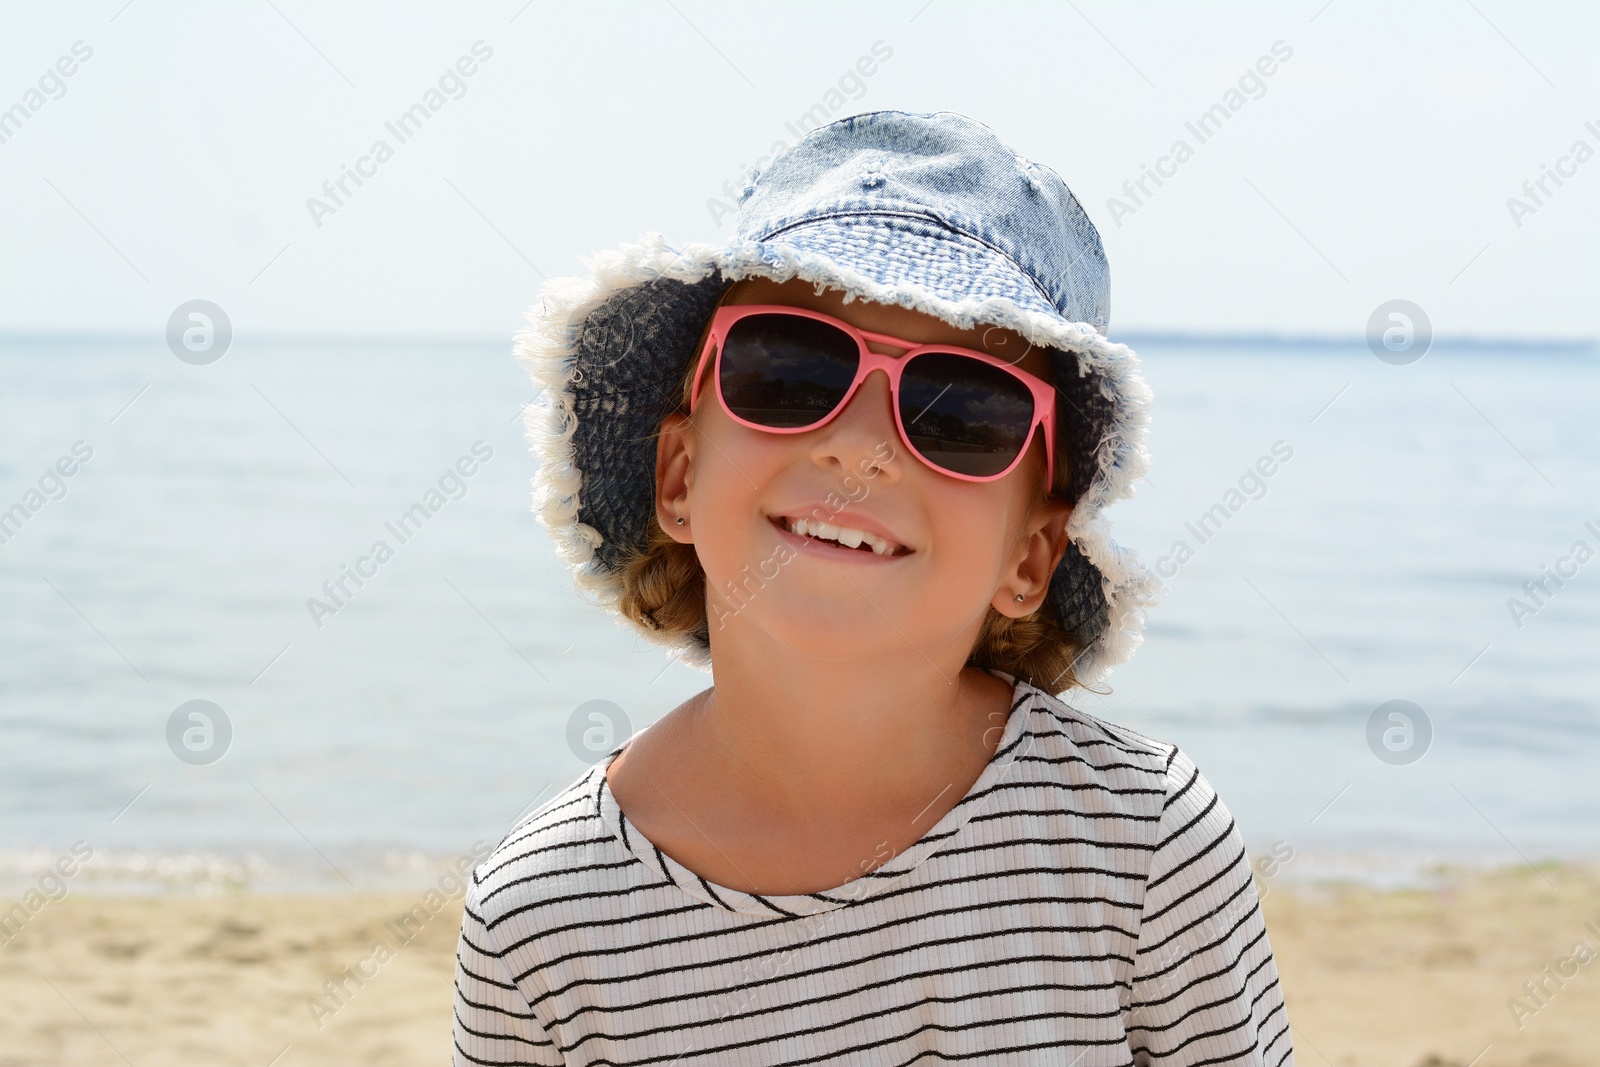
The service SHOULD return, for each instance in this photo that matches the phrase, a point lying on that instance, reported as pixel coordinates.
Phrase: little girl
(854, 463)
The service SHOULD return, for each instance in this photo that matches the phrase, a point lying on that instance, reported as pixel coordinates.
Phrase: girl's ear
(1041, 545)
(675, 476)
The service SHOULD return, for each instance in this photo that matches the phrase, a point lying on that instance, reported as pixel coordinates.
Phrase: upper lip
(852, 520)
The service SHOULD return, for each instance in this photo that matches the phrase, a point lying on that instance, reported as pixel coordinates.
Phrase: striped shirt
(1088, 902)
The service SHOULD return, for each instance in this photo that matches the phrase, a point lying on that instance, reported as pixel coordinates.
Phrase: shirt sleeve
(495, 1025)
(1205, 988)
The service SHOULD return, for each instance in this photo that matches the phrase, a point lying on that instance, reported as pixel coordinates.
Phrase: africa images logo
(336, 192)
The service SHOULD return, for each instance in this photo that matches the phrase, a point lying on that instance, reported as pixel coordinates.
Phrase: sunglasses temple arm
(711, 343)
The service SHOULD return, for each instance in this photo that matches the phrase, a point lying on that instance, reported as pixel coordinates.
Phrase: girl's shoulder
(545, 852)
(1155, 781)
(1149, 781)
(1053, 717)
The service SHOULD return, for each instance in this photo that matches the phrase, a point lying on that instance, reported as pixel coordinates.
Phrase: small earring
(1020, 598)
(680, 520)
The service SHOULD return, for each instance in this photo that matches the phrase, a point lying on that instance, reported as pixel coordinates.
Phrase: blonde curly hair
(664, 590)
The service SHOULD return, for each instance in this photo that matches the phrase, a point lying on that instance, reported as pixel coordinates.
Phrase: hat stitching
(953, 230)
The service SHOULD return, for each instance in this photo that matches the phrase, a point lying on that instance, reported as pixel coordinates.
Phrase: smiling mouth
(841, 536)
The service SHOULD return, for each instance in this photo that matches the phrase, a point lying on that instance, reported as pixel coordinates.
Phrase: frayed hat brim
(599, 349)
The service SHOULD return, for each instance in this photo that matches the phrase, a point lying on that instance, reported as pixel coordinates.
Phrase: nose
(863, 434)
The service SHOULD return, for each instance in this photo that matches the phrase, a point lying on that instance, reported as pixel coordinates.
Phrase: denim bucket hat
(928, 211)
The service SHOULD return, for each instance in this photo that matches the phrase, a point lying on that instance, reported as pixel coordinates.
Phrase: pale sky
(1376, 162)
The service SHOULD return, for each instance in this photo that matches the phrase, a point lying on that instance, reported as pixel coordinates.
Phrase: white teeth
(842, 534)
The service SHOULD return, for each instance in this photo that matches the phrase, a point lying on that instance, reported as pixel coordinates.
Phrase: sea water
(1334, 533)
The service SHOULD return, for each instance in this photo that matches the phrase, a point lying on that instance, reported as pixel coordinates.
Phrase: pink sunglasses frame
(1044, 394)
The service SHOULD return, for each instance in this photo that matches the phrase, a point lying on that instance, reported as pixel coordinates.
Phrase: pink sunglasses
(965, 413)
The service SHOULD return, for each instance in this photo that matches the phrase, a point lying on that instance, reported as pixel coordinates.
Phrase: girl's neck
(806, 746)
(793, 790)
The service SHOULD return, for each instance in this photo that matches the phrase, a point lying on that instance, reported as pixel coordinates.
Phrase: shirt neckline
(852, 892)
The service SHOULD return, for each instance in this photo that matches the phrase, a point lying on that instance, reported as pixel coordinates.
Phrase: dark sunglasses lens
(786, 370)
(964, 415)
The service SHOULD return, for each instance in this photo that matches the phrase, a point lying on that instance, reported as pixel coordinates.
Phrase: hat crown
(948, 170)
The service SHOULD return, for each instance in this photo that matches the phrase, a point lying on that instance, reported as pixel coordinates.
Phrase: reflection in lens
(786, 371)
(964, 415)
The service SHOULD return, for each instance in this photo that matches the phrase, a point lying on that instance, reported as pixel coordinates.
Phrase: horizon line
(1332, 340)
(1249, 338)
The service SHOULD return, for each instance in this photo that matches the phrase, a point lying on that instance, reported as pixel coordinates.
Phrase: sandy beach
(1391, 978)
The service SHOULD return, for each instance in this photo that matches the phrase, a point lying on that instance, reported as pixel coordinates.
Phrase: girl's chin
(826, 621)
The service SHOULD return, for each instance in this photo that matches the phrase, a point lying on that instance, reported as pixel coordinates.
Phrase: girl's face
(966, 546)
